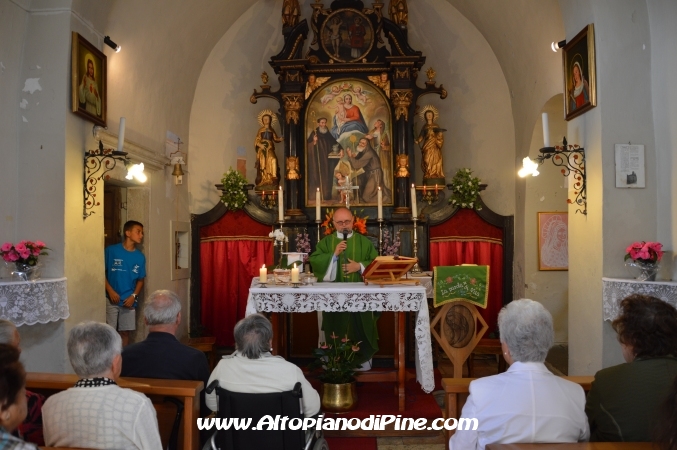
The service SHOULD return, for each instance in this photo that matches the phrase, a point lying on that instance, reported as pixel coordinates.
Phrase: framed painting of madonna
(348, 144)
(580, 85)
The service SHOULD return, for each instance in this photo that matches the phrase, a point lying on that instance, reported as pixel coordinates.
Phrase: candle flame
(263, 266)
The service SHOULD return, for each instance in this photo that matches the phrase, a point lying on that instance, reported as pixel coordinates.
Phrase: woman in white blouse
(527, 403)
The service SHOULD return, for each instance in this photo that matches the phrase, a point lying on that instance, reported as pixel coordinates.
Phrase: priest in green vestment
(342, 257)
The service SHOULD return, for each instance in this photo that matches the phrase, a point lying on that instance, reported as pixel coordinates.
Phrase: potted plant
(643, 258)
(336, 361)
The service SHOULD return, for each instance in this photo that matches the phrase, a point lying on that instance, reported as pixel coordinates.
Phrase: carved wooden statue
(399, 12)
(431, 141)
(267, 170)
(290, 13)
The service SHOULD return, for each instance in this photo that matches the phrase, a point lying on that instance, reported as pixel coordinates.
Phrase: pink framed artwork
(553, 241)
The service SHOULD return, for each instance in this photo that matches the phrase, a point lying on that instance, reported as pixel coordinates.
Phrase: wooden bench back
(156, 390)
(456, 391)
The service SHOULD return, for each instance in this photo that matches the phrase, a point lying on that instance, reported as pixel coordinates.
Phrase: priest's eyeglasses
(343, 222)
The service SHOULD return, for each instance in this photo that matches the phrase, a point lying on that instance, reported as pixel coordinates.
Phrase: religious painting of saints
(553, 241)
(88, 81)
(578, 58)
(348, 144)
(347, 35)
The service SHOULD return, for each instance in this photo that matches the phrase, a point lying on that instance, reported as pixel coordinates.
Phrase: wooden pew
(186, 391)
(576, 446)
(456, 391)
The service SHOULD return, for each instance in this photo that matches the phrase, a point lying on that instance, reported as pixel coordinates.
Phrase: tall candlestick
(121, 134)
(413, 201)
(280, 205)
(294, 274)
(380, 203)
(318, 204)
(263, 274)
(546, 130)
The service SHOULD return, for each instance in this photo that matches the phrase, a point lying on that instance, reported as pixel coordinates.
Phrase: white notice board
(630, 166)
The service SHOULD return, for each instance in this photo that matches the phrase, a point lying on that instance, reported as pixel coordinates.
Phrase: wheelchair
(255, 406)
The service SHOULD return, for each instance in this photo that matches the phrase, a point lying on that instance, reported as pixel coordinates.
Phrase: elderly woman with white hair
(253, 369)
(527, 403)
(96, 412)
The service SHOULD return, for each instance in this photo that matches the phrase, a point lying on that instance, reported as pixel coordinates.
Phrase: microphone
(345, 239)
(345, 234)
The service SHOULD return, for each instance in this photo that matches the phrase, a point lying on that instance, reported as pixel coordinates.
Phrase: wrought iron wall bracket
(571, 159)
(97, 162)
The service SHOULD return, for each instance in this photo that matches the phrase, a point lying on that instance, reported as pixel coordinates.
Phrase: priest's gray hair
(253, 335)
(7, 330)
(92, 346)
(526, 328)
(162, 307)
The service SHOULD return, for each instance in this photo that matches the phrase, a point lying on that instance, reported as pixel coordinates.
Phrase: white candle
(380, 203)
(546, 130)
(121, 134)
(263, 274)
(294, 274)
(413, 201)
(318, 204)
(280, 205)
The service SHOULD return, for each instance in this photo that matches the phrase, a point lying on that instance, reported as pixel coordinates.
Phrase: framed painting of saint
(348, 144)
(553, 241)
(347, 35)
(580, 86)
(88, 84)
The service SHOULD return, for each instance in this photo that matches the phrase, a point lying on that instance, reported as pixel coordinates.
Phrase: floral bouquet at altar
(337, 360)
(643, 258)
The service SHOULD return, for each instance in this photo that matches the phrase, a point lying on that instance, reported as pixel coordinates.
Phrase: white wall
(544, 193)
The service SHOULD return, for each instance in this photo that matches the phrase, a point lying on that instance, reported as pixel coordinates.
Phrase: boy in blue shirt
(125, 272)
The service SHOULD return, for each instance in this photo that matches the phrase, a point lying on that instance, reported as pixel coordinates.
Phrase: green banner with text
(461, 283)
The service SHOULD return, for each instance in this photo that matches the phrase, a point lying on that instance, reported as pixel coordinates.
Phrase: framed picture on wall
(88, 81)
(578, 60)
(553, 240)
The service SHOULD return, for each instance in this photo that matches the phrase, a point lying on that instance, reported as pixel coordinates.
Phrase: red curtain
(453, 253)
(229, 259)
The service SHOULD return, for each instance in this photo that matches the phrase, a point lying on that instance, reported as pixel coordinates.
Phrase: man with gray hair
(161, 355)
(96, 412)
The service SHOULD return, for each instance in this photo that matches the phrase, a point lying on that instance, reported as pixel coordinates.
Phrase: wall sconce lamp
(109, 42)
(571, 158)
(102, 161)
(557, 45)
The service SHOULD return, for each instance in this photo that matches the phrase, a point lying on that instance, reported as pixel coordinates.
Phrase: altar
(355, 297)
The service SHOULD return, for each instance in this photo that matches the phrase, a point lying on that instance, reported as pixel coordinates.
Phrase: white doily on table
(354, 297)
(616, 289)
(30, 302)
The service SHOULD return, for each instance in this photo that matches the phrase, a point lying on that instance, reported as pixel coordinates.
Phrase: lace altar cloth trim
(30, 302)
(354, 297)
(616, 289)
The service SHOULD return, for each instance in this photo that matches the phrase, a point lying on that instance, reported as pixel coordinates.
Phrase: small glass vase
(642, 271)
(24, 272)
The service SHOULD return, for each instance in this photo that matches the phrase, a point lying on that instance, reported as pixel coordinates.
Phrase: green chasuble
(360, 327)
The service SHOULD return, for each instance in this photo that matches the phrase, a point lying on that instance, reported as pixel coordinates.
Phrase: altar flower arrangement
(645, 252)
(303, 245)
(336, 359)
(359, 224)
(234, 195)
(465, 190)
(278, 235)
(391, 244)
(25, 252)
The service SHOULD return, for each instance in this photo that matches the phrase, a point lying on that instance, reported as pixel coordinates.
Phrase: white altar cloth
(30, 302)
(353, 297)
(616, 289)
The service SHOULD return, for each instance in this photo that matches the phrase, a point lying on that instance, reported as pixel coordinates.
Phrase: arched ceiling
(171, 40)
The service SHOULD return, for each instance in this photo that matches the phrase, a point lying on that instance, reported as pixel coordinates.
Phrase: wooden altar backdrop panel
(232, 249)
(467, 238)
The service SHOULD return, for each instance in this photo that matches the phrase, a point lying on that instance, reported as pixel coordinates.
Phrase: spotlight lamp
(557, 45)
(109, 42)
(571, 159)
